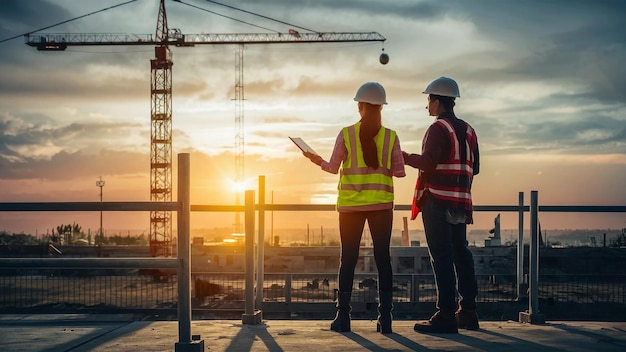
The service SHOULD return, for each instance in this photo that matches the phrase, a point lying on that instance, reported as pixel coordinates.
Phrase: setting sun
(323, 199)
(241, 186)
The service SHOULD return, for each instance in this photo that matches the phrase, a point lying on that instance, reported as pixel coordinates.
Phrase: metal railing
(84, 289)
(133, 288)
(181, 264)
(418, 288)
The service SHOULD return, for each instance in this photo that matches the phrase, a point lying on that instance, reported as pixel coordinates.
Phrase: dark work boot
(467, 319)
(442, 322)
(342, 319)
(385, 305)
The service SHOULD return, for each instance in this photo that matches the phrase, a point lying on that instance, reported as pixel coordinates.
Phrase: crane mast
(161, 140)
(239, 132)
(161, 95)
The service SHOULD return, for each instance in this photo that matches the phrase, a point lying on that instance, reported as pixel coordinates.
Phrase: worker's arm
(434, 144)
(476, 161)
(339, 156)
(316, 159)
(397, 159)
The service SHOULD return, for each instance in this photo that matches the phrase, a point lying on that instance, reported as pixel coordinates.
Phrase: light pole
(100, 183)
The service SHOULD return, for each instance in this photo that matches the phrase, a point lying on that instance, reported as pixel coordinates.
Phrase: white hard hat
(444, 86)
(371, 92)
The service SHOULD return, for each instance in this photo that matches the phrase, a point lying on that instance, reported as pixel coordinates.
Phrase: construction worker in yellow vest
(369, 155)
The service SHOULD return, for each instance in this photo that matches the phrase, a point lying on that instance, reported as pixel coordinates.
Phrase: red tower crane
(161, 93)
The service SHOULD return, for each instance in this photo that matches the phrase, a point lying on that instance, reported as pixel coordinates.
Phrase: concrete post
(250, 316)
(521, 286)
(185, 341)
(260, 266)
(532, 315)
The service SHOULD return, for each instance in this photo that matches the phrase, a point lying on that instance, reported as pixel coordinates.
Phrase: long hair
(370, 125)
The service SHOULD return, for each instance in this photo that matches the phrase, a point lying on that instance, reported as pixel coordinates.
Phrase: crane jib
(60, 41)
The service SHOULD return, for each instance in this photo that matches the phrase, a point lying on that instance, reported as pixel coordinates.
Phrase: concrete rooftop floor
(72, 332)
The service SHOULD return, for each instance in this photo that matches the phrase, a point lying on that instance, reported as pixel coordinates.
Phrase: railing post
(250, 316)
(521, 289)
(185, 343)
(533, 261)
(532, 315)
(415, 288)
(288, 279)
(260, 258)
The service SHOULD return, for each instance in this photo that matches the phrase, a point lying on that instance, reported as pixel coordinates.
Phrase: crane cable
(259, 15)
(230, 18)
(199, 8)
(66, 21)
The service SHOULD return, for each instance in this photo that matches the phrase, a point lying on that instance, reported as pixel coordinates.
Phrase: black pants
(450, 258)
(351, 229)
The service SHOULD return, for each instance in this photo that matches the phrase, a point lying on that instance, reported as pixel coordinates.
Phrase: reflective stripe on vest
(360, 186)
(454, 193)
(455, 166)
(455, 152)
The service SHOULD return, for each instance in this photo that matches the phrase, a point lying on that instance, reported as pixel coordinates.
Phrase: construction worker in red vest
(448, 162)
(369, 155)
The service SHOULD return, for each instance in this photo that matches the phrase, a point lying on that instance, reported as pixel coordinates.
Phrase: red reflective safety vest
(451, 181)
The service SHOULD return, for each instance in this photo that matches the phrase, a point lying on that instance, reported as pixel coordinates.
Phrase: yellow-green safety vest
(362, 188)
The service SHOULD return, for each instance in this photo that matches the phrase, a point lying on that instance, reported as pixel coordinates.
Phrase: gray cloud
(577, 45)
(68, 85)
(577, 57)
(64, 165)
(17, 17)
(30, 145)
(585, 136)
(404, 9)
(299, 12)
(589, 135)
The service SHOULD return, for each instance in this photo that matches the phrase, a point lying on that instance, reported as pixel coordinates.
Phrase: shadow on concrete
(247, 334)
(73, 337)
(414, 346)
(486, 345)
(363, 342)
(601, 338)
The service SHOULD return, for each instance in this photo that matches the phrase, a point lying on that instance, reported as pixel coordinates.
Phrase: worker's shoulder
(389, 129)
(455, 122)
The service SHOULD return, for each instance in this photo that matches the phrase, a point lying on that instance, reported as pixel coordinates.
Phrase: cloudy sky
(542, 82)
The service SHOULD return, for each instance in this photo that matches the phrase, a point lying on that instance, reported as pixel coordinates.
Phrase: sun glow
(324, 199)
(241, 186)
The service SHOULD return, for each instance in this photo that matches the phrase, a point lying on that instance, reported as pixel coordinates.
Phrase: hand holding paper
(307, 151)
(316, 159)
(302, 145)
